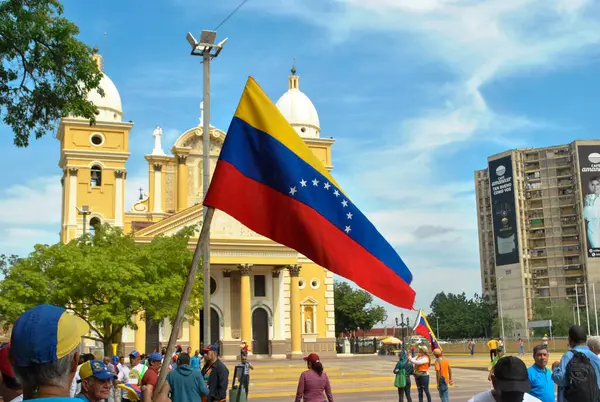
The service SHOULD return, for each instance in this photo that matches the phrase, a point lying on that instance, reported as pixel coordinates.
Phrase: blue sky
(417, 93)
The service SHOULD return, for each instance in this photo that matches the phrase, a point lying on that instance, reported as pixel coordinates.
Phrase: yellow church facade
(262, 292)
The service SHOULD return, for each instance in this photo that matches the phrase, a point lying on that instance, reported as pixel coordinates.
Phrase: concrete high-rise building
(538, 214)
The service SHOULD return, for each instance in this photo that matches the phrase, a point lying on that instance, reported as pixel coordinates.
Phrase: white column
(119, 183)
(71, 207)
(157, 188)
(277, 305)
(226, 305)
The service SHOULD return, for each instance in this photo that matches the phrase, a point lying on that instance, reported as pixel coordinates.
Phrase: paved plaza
(363, 378)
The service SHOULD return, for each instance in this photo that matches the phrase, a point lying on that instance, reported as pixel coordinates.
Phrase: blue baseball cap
(155, 357)
(134, 354)
(45, 334)
(214, 348)
(97, 369)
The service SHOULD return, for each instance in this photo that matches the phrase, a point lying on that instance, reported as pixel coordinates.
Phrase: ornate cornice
(245, 269)
(294, 270)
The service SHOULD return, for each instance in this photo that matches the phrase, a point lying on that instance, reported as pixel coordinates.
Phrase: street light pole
(437, 327)
(208, 50)
(84, 211)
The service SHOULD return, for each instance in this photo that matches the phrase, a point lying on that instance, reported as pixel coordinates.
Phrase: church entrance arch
(214, 326)
(260, 331)
(152, 336)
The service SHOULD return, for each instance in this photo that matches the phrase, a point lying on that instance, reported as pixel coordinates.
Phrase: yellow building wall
(309, 273)
(78, 138)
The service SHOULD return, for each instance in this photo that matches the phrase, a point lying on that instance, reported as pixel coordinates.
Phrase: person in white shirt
(510, 383)
(131, 374)
(10, 389)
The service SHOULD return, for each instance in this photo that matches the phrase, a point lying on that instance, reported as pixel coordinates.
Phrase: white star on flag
(345, 203)
(336, 193)
(327, 185)
(293, 191)
(315, 182)
(303, 183)
(349, 215)
(348, 229)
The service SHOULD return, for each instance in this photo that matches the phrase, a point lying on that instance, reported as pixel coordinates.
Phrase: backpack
(582, 382)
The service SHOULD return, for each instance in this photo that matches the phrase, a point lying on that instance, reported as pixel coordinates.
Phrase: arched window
(96, 176)
(94, 224)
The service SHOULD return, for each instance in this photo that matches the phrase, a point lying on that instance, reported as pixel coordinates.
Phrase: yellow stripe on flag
(256, 109)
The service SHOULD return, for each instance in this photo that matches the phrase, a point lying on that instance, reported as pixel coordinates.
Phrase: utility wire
(231, 14)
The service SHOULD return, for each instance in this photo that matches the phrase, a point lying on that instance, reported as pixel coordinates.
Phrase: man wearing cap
(10, 389)
(76, 383)
(131, 374)
(44, 354)
(96, 381)
(510, 383)
(151, 375)
(184, 384)
(217, 374)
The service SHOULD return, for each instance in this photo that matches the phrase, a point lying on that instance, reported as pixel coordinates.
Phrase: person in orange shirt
(422, 362)
(443, 372)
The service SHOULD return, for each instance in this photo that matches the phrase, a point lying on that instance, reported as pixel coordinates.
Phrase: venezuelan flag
(422, 328)
(268, 179)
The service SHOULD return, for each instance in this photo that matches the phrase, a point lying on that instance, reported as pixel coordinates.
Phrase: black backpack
(581, 376)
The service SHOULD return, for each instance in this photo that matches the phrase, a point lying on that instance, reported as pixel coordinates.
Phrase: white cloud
(37, 202)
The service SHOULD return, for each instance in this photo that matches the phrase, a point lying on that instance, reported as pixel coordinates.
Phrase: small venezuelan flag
(268, 179)
(423, 328)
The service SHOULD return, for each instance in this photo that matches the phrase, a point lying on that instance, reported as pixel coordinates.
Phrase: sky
(416, 93)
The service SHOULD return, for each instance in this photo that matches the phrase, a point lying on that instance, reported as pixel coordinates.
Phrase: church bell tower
(92, 158)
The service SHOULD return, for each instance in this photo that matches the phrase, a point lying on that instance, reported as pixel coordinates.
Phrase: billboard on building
(589, 177)
(504, 215)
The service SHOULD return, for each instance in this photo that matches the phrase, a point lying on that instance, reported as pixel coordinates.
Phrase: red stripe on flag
(294, 224)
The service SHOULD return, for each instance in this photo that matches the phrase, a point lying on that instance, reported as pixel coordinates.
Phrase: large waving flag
(423, 328)
(268, 179)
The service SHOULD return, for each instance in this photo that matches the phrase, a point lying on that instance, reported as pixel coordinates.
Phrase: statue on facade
(157, 134)
(309, 326)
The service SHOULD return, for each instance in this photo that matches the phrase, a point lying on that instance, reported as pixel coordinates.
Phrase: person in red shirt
(151, 375)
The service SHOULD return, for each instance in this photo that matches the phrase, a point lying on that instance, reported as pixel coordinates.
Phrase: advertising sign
(504, 214)
(589, 177)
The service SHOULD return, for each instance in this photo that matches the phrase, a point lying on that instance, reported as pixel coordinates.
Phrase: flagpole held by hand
(185, 297)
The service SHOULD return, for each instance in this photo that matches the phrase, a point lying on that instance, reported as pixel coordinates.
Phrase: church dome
(109, 106)
(298, 109)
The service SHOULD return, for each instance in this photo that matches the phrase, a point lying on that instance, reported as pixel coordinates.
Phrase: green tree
(354, 309)
(560, 311)
(510, 327)
(45, 73)
(459, 316)
(106, 279)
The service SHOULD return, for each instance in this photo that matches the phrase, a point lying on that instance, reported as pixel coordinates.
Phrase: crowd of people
(42, 361)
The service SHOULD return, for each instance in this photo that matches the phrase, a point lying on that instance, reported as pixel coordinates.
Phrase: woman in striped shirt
(313, 382)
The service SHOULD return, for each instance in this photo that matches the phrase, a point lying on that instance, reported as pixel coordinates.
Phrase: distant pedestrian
(471, 347)
(443, 373)
(196, 360)
(545, 339)
(245, 380)
(521, 347)
(403, 371)
(510, 383)
(493, 347)
(413, 351)
(313, 383)
(540, 376)
(422, 363)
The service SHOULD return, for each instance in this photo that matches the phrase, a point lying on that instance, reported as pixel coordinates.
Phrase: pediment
(191, 141)
(309, 301)
(223, 226)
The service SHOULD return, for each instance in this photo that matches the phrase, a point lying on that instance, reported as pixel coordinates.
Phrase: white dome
(109, 105)
(299, 111)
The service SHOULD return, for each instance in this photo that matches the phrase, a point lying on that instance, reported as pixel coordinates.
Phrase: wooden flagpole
(185, 297)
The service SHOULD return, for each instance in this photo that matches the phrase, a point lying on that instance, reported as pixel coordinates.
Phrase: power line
(231, 14)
